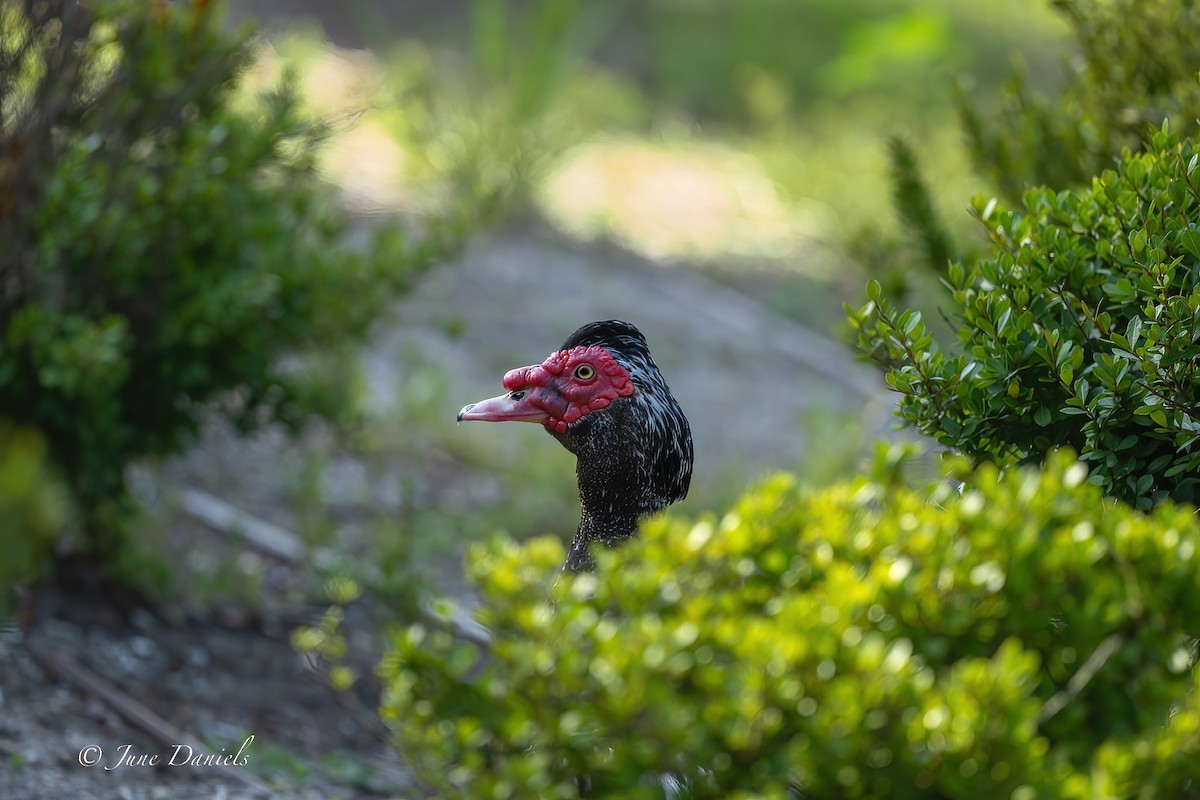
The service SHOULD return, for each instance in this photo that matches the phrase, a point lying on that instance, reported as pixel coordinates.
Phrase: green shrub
(164, 241)
(1080, 328)
(1135, 66)
(1022, 638)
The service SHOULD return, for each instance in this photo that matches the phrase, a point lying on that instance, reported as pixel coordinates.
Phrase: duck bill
(511, 407)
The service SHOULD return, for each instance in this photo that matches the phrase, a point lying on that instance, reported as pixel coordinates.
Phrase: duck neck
(610, 527)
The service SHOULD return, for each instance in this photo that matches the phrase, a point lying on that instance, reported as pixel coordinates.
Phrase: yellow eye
(584, 372)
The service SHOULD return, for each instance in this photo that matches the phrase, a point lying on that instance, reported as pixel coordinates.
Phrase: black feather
(613, 335)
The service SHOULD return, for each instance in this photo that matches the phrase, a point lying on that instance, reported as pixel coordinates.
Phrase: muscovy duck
(603, 398)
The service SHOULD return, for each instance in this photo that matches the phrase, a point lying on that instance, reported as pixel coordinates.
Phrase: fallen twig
(225, 518)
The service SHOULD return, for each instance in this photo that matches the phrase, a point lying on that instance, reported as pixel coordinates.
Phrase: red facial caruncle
(563, 389)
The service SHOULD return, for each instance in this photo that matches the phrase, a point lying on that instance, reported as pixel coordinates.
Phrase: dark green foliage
(1136, 66)
(1022, 638)
(1080, 329)
(164, 241)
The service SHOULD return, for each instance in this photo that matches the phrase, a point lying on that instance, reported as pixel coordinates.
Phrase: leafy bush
(1136, 65)
(165, 242)
(1079, 329)
(1022, 638)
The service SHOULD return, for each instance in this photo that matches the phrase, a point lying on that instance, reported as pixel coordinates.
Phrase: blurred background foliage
(792, 149)
(748, 139)
(171, 246)
(196, 222)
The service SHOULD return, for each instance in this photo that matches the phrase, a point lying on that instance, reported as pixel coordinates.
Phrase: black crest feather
(614, 335)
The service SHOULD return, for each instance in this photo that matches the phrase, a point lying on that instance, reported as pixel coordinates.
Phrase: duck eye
(584, 372)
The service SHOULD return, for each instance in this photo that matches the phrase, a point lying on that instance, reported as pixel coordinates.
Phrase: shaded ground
(220, 684)
(747, 377)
